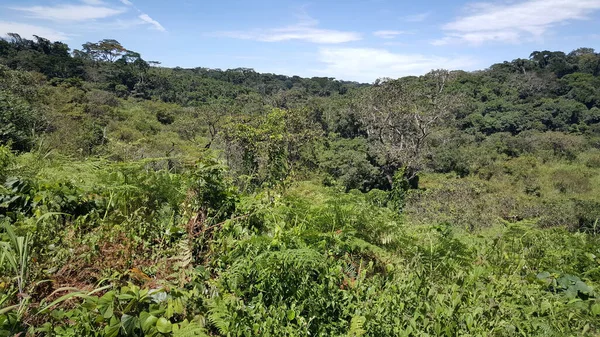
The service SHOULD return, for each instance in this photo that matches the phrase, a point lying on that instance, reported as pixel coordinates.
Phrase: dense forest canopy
(398, 122)
(170, 201)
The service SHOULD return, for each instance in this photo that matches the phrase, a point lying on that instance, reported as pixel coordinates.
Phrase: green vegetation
(139, 200)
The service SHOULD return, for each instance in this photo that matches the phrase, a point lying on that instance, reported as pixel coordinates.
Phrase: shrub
(591, 159)
(588, 215)
(165, 117)
(6, 159)
(571, 181)
(19, 122)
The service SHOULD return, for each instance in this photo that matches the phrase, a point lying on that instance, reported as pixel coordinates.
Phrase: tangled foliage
(138, 200)
(118, 255)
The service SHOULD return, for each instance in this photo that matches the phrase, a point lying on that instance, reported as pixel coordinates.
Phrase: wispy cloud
(389, 34)
(395, 44)
(144, 17)
(100, 11)
(515, 21)
(417, 17)
(28, 31)
(366, 64)
(307, 30)
(63, 13)
(93, 2)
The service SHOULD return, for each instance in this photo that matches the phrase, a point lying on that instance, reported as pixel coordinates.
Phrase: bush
(347, 160)
(121, 90)
(463, 203)
(588, 215)
(19, 122)
(6, 159)
(97, 97)
(571, 180)
(165, 117)
(591, 159)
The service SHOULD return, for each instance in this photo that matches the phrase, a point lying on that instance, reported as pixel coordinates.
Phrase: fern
(356, 326)
(219, 314)
(185, 256)
(191, 330)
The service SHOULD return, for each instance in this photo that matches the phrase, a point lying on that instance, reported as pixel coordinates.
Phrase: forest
(141, 200)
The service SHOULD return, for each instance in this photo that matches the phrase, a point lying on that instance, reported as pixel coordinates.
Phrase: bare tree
(400, 115)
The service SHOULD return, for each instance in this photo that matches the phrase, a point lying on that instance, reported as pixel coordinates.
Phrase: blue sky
(349, 40)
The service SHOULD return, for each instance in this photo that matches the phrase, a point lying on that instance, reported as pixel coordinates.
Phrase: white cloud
(112, 25)
(366, 64)
(93, 2)
(63, 13)
(306, 30)
(28, 31)
(515, 21)
(388, 34)
(479, 37)
(146, 18)
(126, 2)
(396, 44)
(417, 17)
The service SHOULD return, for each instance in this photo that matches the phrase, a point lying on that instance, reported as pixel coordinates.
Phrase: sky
(355, 40)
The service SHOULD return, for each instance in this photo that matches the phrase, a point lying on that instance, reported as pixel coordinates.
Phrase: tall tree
(107, 50)
(400, 115)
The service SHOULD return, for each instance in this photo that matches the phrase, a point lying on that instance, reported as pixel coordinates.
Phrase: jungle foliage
(138, 200)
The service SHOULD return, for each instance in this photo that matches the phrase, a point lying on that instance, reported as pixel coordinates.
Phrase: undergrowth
(101, 249)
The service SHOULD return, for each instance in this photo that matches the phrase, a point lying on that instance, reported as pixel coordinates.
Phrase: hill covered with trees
(142, 200)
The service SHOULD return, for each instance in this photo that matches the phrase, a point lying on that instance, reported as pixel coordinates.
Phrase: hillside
(142, 200)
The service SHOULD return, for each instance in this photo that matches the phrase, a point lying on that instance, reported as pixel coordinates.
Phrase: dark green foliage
(583, 88)
(165, 117)
(214, 195)
(347, 160)
(588, 215)
(19, 122)
(41, 55)
(400, 188)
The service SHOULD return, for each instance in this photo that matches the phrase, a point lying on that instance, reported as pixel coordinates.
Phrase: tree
(18, 122)
(212, 115)
(400, 115)
(109, 62)
(347, 161)
(588, 61)
(584, 88)
(556, 62)
(268, 147)
(107, 50)
(49, 58)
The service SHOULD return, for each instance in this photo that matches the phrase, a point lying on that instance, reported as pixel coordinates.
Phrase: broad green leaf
(163, 325)
(147, 321)
(108, 311)
(112, 329)
(583, 288)
(291, 314)
(129, 323)
(106, 304)
(596, 309)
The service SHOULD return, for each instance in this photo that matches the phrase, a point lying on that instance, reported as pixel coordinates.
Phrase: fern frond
(219, 314)
(191, 330)
(356, 326)
(185, 256)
